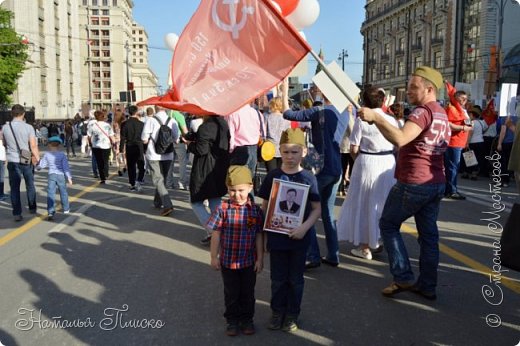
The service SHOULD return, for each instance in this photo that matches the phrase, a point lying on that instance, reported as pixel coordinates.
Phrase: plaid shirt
(238, 226)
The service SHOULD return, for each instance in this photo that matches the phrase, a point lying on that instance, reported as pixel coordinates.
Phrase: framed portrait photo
(286, 207)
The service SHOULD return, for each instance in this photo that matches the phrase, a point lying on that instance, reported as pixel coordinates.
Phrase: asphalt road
(113, 272)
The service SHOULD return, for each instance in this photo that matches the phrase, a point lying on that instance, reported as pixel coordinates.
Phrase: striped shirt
(238, 226)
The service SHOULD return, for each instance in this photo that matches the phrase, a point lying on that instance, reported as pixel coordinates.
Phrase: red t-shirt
(422, 160)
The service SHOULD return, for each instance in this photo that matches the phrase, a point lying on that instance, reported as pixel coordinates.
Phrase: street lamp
(341, 57)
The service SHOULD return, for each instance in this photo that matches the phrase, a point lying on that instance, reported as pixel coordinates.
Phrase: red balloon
(287, 6)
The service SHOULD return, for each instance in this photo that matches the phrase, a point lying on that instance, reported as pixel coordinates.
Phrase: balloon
(170, 40)
(275, 4)
(305, 14)
(287, 6)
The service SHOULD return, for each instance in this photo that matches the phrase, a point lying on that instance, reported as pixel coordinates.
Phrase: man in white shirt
(159, 164)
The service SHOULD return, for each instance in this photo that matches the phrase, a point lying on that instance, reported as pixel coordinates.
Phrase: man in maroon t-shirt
(420, 183)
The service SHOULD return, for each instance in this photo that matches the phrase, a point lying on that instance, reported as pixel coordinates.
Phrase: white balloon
(305, 14)
(275, 4)
(170, 40)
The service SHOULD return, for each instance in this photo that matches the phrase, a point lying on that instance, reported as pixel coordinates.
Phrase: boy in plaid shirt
(237, 249)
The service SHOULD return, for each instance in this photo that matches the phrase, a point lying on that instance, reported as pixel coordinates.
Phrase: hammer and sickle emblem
(233, 26)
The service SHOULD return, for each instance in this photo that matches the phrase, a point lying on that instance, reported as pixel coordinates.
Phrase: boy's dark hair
(132, 109)
(460, 93)
(17, 110)
(372, 97)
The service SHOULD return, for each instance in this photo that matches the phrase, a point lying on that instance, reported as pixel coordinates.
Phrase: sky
(336, 29)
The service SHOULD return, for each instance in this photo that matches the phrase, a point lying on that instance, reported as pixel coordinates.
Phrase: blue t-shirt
(278, 241)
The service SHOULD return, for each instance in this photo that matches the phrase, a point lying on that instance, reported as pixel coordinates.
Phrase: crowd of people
(390, 163)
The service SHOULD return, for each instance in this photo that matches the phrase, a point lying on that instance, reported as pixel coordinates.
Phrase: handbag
(266, 149)
(25, 155)
(469, 158)
(314, 160)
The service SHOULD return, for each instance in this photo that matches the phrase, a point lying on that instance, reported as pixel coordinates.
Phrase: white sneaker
(362, 253)
(66, 211)
(138, 186)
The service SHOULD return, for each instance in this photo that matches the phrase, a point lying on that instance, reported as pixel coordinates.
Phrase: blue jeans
(94, 166)
(451, 165)
(202, 212)
(287, 281)
(327, 187)
(57, 180)
(16, 172)
(2, 177)
(421, 201)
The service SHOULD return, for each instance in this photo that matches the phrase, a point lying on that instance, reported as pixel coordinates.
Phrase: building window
(437, 57)
(400, 68)
(96, 74)
(95, 12)
(106, 74)
(95, 53)
(105, 21)
(417, 61)
(141, 61)
(114, 3)
(401, 44)
(106, 84)
(95, 64)
(106, 64)
(105, 2)
(95, 33)
(106, 53)
(95, 21)
(105, 33)
(107, 96)
(439, 32)
(135, 60)
(105, 12)
(85, 2)
(105, 43)
(94, 2)
(97, 96)
(96, 84)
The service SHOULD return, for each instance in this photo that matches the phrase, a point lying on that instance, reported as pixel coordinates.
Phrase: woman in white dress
(371, 180)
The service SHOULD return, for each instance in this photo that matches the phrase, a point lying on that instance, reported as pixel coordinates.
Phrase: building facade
(145, 81)
(51, 82)
(462, 39)
(110, 47)
(400, 35)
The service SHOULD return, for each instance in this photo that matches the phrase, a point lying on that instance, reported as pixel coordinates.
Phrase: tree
(13, 54)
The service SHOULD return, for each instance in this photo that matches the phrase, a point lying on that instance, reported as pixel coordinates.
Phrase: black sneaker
(133, 188)
(232, 329)
(275, 322)
(289, 325)
(206, 241)
(247, 328)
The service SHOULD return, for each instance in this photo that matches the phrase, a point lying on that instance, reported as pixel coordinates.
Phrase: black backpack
(83, 128)
(164, 141)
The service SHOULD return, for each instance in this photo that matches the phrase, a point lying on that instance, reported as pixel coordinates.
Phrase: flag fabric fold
(229, 53)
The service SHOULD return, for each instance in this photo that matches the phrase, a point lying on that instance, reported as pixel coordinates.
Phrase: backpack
(83, 128)
(164, 142)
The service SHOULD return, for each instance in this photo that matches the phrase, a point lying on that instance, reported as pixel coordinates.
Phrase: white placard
(333, 93)
(477, 90)
(463, 87)
(507, 97)
(302, 69)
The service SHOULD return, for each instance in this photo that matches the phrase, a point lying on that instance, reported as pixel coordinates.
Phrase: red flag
(489, 115)
(230, 52)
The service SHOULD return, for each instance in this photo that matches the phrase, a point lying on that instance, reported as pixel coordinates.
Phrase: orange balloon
(287, 6)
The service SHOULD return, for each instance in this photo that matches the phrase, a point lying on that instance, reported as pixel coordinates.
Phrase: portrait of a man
(289, 205)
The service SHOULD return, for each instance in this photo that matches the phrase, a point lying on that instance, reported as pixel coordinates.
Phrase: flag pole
(333, 79)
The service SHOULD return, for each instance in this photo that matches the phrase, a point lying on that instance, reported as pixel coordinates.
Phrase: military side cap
(55, 139)
(238, 175)
(293, 136)
(430, 74)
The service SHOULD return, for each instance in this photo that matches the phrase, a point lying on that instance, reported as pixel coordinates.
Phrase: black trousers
(102, 156)
(239, 294)
(135, 163)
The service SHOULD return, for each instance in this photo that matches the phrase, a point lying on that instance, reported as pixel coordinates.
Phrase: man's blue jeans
(201, 211)
(57, 180)
(451, 165)
(327, 187)
(16, 172)
(422, 202)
